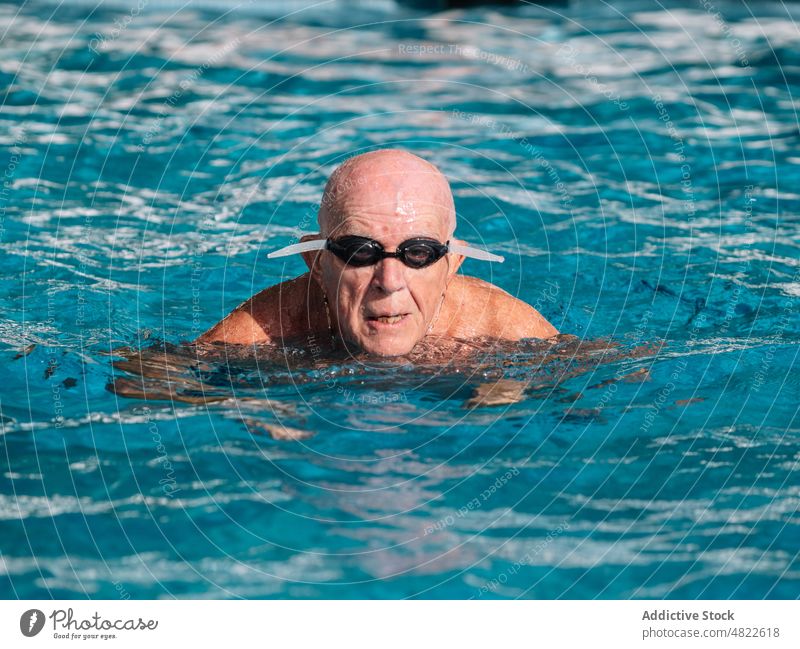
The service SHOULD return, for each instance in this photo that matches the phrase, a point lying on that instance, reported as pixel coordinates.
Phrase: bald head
(388, 181)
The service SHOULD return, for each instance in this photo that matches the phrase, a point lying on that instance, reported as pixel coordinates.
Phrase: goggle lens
(414, 253)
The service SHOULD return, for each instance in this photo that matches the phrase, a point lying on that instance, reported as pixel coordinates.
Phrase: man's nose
(389, 275)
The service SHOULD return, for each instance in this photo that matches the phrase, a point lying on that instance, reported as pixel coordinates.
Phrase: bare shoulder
(239, 327)
(495, 312)
(263, 318)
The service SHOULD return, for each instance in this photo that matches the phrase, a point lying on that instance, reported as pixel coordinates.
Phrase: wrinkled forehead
(391, 219)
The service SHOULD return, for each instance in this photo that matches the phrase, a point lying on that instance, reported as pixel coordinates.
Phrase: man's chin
(386, 345)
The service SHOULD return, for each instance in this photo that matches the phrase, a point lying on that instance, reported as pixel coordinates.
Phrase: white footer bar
(400, 624)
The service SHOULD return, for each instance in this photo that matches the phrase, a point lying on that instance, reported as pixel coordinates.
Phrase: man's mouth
(387, 319)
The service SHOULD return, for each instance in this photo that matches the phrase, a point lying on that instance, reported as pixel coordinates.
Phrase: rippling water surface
(639, 170)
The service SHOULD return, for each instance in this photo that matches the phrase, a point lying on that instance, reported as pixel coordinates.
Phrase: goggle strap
(297, 248)
(474, 253)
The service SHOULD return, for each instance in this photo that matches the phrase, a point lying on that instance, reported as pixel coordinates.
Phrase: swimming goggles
(363, 251)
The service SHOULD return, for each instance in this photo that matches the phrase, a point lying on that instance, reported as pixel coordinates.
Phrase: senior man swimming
(382, 270)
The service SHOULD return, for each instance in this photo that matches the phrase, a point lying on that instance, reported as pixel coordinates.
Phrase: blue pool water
(638, 168)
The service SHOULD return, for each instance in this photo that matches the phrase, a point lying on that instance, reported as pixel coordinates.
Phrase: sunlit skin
(389, 196)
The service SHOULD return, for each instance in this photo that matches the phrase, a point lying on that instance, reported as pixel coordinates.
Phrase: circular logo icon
(31, 622)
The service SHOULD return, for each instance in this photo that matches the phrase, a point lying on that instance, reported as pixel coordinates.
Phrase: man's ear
(455, 259)
(312, 257)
